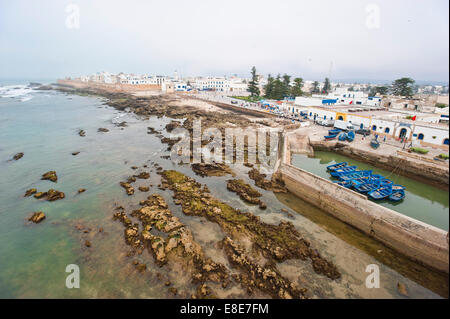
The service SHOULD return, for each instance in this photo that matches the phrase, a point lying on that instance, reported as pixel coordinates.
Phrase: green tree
(253, 84)
(315, 88)
(278, 89)
(326, 86)
(268, 88)
(296, 90)
(382, 90)
(286, 85)
(403, 87)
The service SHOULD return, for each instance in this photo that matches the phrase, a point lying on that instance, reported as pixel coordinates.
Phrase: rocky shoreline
(154, 228)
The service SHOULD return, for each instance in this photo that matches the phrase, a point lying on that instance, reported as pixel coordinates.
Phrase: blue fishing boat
(361, 180)
(346, 169)
(375, 144)
(342, 137)
(397, 195)
(397, 187)
(350, 136)
(336, 166)
(367, 187)
(377, 176)
(330, 137)
(380, 193)
(346, 184)
(386, 182)
(353, 175)
(334, 131)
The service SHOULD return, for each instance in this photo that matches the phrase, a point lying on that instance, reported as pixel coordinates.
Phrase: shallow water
(422, 202)
(33, 258)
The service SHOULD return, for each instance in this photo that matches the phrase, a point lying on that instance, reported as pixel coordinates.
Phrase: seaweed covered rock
(274, 185)
(254, 276)
(37, 217)
(128, 188)
(142, 175)
(53, 195)
(30, 192)
(213, 169)
(276, 242)
(51, 176)
(245, 192)
(18, 156)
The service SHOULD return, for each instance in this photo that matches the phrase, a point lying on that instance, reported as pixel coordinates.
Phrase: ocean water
(33, 257)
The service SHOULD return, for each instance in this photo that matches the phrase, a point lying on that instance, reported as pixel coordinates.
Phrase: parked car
(234, 102)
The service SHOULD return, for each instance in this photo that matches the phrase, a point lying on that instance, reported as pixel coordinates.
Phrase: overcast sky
(345, 39)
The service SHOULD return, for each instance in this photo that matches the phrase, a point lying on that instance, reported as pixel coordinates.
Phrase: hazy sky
(344, 39)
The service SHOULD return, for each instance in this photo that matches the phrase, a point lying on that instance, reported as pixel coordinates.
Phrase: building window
(374, 128)
(403, 132)
(406, 106)
(386, 130)
(340, 118)
(446, 141)
(420, 137)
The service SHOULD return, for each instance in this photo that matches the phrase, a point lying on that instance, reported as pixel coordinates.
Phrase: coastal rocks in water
(75, 153)
(40, 195)
(51, 176)
(276, 242)
(103, 130)
(274, 185)
(143, 175)
(128, 188)
(81, 190)
(37, 217)
(285, 211)
(30, 192)
(144, 188)
(122, 124)
(170, 242)
(264, 278)
(18, 156)
(82, 133)
(172, 125)
(53, 195)
(214, 169)
(87, 243)
(401, 288)
(151, 130)
(131, 179)
(245, 192)
(170, 141)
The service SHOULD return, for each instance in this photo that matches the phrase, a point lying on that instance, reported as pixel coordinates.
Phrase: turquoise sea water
(33, 257)
(422, 202)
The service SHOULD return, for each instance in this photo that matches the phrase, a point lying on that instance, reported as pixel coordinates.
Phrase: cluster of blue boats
(342, 136)
(374, 185)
